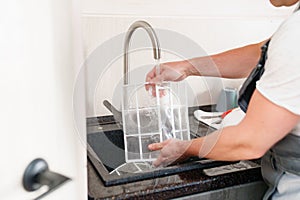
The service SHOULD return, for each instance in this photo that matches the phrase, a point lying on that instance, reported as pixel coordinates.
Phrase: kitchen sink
(106, 152)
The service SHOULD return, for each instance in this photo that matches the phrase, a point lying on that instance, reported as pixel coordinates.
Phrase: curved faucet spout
(154, 41)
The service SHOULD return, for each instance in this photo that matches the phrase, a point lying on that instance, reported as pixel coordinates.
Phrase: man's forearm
(236, 63)
(226, 144)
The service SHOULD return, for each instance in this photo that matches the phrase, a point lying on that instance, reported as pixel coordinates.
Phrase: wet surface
(106, 144)
(190, 181)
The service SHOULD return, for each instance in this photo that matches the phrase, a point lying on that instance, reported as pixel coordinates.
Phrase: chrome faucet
(154, 41)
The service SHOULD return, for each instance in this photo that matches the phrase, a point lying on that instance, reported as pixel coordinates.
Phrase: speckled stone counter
(179, 185)
(191, 182)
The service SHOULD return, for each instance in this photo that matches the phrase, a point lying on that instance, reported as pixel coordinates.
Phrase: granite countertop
(183, 184)
(178, 185)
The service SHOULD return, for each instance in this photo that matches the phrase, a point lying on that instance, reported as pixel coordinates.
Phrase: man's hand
(171, 151)
(171, 71)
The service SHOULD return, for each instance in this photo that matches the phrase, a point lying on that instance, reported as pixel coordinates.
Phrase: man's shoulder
(289, 31)
(292, 22)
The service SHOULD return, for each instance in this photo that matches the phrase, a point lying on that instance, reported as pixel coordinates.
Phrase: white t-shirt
(280, 82)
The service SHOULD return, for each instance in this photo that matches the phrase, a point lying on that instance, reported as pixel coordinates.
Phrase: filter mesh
(149, 118)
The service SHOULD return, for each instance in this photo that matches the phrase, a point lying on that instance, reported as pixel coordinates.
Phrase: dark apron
(284, 156)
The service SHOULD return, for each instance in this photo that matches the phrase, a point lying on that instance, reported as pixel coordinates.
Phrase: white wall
(214, 25)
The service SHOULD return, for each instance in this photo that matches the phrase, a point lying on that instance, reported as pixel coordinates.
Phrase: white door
(37, 74)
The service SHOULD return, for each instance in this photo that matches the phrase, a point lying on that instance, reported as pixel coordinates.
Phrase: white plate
(210, 122)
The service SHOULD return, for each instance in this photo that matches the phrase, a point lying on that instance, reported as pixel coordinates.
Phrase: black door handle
(38, 174)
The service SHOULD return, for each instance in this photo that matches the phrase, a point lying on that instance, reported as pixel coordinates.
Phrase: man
(271, 126)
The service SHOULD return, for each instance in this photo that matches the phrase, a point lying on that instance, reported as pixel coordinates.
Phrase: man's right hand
(171, 71)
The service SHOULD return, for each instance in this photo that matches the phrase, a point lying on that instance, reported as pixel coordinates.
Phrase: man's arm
(235, 63)
(264, 125)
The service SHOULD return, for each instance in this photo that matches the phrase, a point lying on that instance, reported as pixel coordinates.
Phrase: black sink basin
(106, 153)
